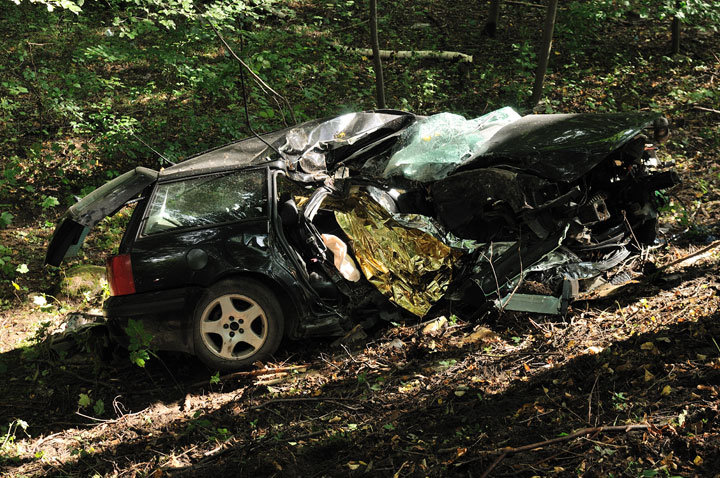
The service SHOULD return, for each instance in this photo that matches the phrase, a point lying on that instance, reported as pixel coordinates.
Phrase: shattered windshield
(207, 201)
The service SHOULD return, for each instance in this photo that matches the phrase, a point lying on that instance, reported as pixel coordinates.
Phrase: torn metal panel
(312, 151)
(539, 304)
(432, 227)
(493, 274)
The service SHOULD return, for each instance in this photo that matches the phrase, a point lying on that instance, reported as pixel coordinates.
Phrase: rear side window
(207, 201)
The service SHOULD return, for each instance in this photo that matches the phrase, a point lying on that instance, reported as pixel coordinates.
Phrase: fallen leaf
(648, 376)
(647, 346)
(482, 334)
(435, 326)
(666, 390)
(698, 460)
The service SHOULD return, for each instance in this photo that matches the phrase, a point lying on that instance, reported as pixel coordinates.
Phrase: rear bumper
(166, 315)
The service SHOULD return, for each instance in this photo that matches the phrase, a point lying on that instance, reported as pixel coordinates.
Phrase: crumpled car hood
(560, 147)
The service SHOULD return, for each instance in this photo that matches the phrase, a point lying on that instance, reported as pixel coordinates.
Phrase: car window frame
(261, 218)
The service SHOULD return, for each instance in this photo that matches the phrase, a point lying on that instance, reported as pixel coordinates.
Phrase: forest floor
(626, 384)
(409, 400)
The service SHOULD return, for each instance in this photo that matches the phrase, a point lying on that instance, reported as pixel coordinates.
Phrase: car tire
(237, 323)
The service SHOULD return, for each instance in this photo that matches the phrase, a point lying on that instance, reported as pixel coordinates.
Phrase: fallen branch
(503, 452)
(525, 4)
(709, 110)
(254, 373)
(705, 249)
(335, 400)
(387, 54)
(272, 378)
(493, 465)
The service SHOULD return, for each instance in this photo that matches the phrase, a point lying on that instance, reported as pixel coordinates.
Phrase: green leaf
(5, 219)
(99, 407)
(139, 357)
(22, 269)
(48, 202)
(84, 400)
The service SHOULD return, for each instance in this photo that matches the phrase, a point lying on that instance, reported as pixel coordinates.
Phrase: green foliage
(51, 5)
(99, 407)
(139, 342)
(8, 435)
(6, 266)
(5, 219)
(701, 12)
(49, 202)
(84, 400)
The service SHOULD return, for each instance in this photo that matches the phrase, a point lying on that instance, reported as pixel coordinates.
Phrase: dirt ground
(638, 369)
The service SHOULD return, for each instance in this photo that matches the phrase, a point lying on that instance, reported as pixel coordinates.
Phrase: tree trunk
(377, 62)
(493, 19)
(675, 29)
(544, 52)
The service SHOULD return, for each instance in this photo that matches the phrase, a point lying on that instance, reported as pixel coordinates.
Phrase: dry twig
(705, 249)
(335, 400)
(503, 452)
(709, 110)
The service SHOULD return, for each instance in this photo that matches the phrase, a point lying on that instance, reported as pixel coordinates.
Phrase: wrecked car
(319, 227)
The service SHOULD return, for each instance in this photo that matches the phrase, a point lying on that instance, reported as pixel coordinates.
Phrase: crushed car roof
(299, 142)
(569, 144)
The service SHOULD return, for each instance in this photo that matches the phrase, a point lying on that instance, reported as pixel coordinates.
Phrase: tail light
(120, 276)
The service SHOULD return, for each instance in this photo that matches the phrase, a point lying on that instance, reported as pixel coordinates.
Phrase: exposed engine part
(595, 210)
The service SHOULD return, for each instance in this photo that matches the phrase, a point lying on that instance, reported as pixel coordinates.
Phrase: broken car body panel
(90, 210)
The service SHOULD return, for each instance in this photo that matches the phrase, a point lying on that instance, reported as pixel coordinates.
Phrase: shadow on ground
(404, 410)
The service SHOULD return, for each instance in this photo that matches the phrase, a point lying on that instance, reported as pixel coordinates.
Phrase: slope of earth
(436, 399)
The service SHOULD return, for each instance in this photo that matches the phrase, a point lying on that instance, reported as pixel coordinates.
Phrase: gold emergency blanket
(411, 267)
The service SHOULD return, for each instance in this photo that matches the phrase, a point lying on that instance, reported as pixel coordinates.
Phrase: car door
(197, 229)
